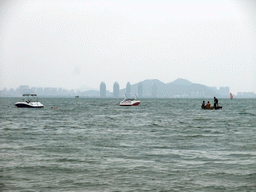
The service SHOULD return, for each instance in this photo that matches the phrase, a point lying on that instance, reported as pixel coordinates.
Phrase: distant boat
(29, 101)
(130, 101)
(77, 96)
(231, 96)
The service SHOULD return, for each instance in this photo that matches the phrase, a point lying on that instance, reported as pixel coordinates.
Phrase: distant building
(72, 92)
(37, 90)
(11, 91)
(50, 91)
(116, 90)
(248, 94)
(245, 94)
(224, 91)
(128, 89)
(102, 89)
(25, 89)
(140, 90)
(239, 94)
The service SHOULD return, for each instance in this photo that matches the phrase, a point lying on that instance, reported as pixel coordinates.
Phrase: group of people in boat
(216, 104)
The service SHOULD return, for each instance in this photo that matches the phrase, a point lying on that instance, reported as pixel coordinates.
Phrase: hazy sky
(70, 43)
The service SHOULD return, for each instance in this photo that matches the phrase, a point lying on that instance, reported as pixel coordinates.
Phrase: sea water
(90, 144)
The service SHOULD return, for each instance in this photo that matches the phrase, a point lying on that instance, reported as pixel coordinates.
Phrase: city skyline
(147, 88)
(109, 87)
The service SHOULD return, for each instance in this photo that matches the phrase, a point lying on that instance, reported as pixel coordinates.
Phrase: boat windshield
(129, 99)
(30, 97)
(26, 95)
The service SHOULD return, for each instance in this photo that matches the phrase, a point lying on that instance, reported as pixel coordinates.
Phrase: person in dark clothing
(216, 104)
(203, 104)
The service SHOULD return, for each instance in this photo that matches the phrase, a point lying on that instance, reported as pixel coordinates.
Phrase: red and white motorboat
(130, 102)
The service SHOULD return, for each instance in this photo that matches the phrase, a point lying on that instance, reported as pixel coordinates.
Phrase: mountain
(180, 88)
(181, 82)
(153, 88)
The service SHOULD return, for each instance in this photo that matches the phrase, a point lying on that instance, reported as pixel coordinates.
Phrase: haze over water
(97, 145)
(76, 43)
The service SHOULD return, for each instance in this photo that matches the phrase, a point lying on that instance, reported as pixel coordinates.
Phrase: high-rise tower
(102, 89)
(128, 89)
(116, 90)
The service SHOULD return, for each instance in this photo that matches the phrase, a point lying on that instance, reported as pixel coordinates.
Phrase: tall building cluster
(116, 90)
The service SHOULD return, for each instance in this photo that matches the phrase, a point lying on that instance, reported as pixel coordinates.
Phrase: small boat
(29, 101)
(130, 101)
(77, 96)
(211, 107)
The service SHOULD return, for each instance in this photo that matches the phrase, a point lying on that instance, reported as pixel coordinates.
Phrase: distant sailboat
(231, 96)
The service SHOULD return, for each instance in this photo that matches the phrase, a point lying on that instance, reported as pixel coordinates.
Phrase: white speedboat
(130, 101)
(29, 101)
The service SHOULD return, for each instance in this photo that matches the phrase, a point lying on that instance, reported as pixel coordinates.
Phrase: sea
(93, 144)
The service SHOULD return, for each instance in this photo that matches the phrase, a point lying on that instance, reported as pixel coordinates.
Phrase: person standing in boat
(216, 104)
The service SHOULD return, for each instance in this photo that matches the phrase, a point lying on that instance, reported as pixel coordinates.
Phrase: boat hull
(129, 103)
(212, 107)
(29, 105)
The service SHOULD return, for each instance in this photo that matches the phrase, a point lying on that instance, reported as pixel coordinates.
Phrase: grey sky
(73, 43)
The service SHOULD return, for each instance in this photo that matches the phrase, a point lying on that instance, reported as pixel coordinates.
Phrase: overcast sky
(70, 43)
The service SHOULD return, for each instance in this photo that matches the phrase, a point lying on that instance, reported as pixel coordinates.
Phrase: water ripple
(96, 145)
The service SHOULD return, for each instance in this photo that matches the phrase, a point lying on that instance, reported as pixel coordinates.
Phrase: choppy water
(97, 145)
